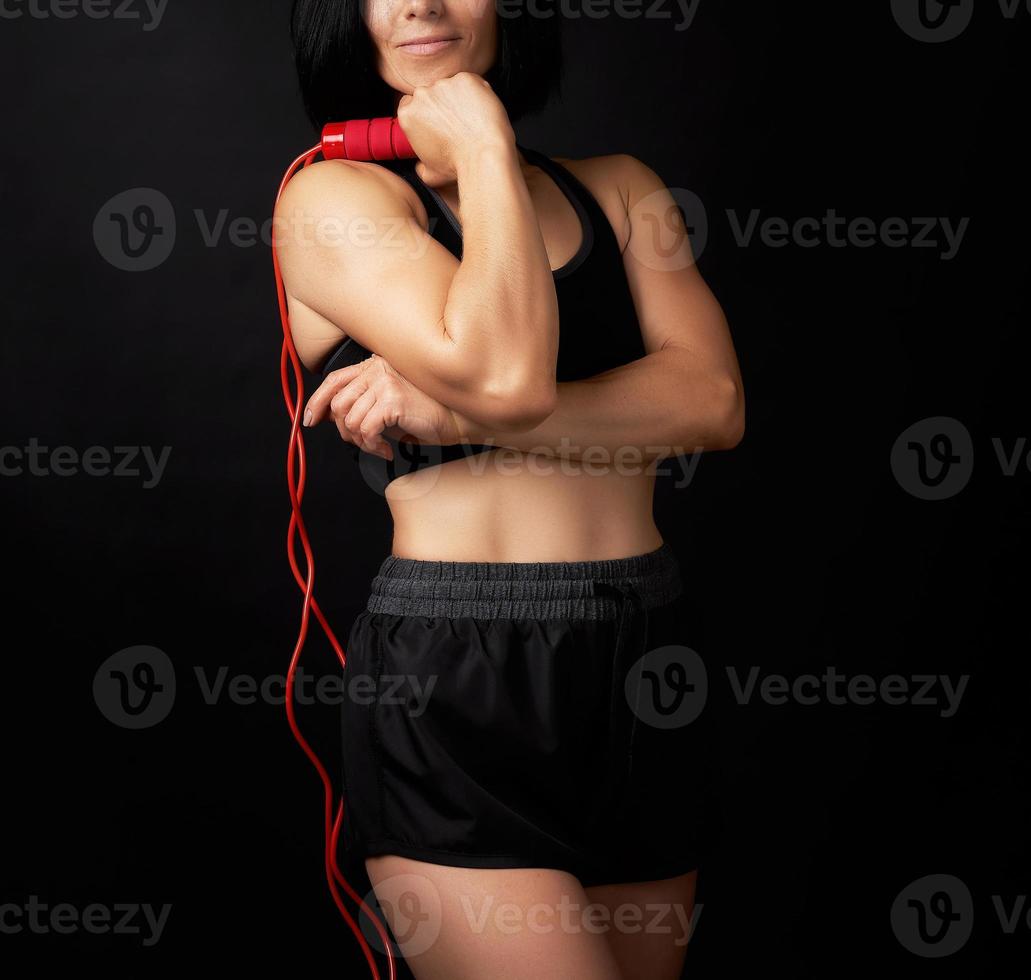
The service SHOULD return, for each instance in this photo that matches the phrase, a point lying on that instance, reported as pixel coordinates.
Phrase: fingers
(363, 424)
(348, 412)
(319, 404)
(371, 428)
(349, 397)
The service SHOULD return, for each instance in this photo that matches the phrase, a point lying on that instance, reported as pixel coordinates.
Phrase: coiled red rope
(296, 473)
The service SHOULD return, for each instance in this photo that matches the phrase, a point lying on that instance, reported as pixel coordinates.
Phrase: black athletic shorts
(528, 714)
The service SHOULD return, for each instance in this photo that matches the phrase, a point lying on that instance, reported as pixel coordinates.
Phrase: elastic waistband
(523, 590)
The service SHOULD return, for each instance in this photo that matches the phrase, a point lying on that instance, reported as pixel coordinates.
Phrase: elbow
(517, 406)
(728, 428)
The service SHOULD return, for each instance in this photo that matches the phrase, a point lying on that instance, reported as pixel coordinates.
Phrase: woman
(520, 768)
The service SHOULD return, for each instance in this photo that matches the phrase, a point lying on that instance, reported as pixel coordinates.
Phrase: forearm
(501, 304)
(664, 404)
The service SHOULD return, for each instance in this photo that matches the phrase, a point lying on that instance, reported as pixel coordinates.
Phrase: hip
(510, 712)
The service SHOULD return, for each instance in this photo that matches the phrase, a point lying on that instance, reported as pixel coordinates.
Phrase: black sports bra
(598, 325)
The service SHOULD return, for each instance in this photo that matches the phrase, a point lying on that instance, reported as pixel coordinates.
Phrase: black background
(800, 548)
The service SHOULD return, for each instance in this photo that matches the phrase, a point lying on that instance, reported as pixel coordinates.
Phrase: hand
(370, 400)
(449, 118)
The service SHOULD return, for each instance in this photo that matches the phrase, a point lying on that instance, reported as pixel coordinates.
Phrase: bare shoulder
(613, 180)
(620, 172)
(611, 167)
(336, 186)
(316, 208)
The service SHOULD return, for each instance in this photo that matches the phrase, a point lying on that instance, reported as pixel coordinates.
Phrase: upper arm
(673, 303)
(353, 254)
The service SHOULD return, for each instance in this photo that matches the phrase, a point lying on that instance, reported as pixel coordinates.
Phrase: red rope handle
(296, 472)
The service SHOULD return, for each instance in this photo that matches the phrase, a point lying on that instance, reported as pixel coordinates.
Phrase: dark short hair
(336, 63)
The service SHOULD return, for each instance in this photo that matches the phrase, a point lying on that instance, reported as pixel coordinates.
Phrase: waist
(536, 509)
(524, 590)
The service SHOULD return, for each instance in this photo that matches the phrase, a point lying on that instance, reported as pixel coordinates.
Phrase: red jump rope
(356, 139)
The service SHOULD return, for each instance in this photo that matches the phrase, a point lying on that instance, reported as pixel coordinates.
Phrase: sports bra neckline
(558, 174)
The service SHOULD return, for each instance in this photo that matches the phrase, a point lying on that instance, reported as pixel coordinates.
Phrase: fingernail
(307, 417)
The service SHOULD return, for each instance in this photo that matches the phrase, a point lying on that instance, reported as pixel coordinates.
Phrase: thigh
(454, 923)
(651, 923)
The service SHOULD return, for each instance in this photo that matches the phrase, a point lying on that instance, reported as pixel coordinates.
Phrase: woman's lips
(431, 47)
